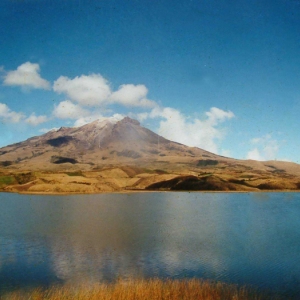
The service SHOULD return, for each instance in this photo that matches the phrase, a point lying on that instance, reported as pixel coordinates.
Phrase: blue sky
(220, 75)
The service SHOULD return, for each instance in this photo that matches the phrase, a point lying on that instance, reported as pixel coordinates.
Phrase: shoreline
(145, 191)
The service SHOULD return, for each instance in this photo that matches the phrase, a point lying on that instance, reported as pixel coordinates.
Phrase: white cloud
(217, 115)
(9, 116)
(226, 153)
(254, 154)
(142, 116)
(266, 148)
(192, 132)
(132, 95)
(36, 120)
(86, 90)
(94, 90)
(68, 110)
(26, 75)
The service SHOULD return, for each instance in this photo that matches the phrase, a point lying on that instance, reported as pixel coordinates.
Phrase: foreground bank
(142, 289)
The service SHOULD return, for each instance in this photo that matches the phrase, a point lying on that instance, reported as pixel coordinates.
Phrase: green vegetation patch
(149, 171)
(75, 173)
(207, 162)
(160, 172)
(23, 178)
(6, 163)
(6, 180)
(62, 160)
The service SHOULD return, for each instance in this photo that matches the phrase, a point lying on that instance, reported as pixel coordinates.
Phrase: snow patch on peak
(46, 130)
(105, 121)
(98, 122)
(116, 118)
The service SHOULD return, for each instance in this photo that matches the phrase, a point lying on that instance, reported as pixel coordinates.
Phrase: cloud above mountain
(95, 90)
(27, 76)
(264, 148)
(36, 120)
(9, 116)
(132, 95)
(68, 110)
(85, 90)
(204, 133)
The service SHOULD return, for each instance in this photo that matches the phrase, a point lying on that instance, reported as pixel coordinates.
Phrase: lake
(241, 238)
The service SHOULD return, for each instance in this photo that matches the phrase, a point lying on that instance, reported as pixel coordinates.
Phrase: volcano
(96, 144)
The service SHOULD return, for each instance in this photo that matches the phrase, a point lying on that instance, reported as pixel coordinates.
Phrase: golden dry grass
(153, 289)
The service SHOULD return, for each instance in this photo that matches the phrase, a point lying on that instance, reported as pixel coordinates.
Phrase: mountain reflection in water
(238, 238)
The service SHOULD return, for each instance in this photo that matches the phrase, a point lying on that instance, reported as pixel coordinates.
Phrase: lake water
(240, 238)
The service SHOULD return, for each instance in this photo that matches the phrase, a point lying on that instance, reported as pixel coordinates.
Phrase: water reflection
(24, 264)
(230, 237)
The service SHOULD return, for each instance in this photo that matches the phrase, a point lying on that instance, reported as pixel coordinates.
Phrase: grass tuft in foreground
(154, 289)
